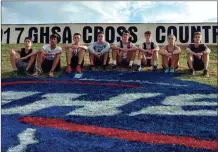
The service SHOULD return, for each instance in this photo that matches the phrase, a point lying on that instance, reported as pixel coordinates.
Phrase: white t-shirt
(48, 49)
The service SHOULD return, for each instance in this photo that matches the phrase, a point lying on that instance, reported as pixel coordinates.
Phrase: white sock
(155, 63)
(115, 62)
(130, 63)
(139, 62)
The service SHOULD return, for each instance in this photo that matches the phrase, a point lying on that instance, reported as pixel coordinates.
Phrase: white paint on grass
(89, 108)
(173, 105)
(135, 81)
(26, 138)
(78, 75)
(51, 99)
(109, 107)
(10, 96)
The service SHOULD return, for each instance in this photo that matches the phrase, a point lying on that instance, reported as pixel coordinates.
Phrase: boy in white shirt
(48, 57)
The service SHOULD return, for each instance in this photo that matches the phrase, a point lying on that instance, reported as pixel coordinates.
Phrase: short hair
(101, 32)
(54, 36)
(125, 31)
(148, 32)
(171, 35)
(197, 33)
(76, 34)
(28, 38)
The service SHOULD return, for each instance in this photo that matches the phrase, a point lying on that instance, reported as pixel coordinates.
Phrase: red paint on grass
(71, 82)
(120, 134)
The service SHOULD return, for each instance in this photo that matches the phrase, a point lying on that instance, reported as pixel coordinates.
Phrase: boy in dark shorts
(198, 56)
(99, 52)
(48, 57)
(75, 54)
(148, 53)
(20, 60)
(124, 52)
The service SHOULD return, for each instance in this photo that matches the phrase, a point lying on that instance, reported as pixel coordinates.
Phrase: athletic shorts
(124, 61)
(148, 62)
(74, 61)
(47, 65)
(21, 66)
(99, 62)
(197, 64)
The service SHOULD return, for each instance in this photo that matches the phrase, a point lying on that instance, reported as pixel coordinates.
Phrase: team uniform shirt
(200, 49)
(23, 54)
(100, 48)
(148, 47)
(48, 49)
(125, 46)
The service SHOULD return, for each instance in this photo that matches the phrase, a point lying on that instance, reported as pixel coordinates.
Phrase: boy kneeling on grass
(21, 60)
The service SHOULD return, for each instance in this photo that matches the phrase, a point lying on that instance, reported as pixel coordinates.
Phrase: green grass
(212, 80)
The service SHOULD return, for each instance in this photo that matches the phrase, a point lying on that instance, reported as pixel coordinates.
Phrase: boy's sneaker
(91, 67)
(171, 70)
(26, 73)
(114, 67)
(129, 68)
(37, 73)
(51, 74)
(166, 70)
(191, 72)
(78, 69)
(68, 69)
(14, 73)
(104, 67)
(155, 68)
(205, 73)
(138, 68)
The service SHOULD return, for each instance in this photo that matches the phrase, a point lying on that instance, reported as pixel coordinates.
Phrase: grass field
(212, 80)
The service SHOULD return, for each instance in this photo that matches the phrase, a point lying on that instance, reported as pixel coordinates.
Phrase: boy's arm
(163, 51)
(66, 46)
(16, 50)
(115, 47)
(207, 50)
(91, 48)
(133, 48)
(83, 47)
(106, 49)
(156, 47)
(29, 55)
(177, 50)
(188, 50)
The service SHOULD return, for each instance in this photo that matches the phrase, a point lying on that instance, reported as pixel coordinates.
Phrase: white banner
(14, 34)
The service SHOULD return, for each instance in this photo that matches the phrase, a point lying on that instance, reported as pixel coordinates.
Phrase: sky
(43, 12)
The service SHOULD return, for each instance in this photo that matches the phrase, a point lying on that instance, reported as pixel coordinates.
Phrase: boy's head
(76, 37)
(148, 35)
(171, 39)
(54, 38)
(28, 42)
(100, 36)
(197, 37)
(125, 35)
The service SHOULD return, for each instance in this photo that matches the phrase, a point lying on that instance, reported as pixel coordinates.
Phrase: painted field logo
(108, 111)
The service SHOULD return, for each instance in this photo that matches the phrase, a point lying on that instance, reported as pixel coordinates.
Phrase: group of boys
(124, 52)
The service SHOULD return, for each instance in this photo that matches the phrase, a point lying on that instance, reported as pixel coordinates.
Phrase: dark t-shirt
(23, 54)
(201, 48)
